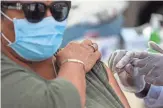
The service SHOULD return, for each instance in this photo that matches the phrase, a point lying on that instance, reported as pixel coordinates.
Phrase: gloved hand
(148, 64)
(128, 82)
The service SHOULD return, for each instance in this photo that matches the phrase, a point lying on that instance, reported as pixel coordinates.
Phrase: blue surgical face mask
(36, 41)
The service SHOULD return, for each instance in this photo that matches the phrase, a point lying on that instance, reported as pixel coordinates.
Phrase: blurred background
(116, 25)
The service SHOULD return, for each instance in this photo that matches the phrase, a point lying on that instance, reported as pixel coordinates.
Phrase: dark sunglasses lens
(60, 11)
(34, 12)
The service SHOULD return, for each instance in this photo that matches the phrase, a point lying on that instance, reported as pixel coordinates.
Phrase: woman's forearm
(118, 91)
(75, 73)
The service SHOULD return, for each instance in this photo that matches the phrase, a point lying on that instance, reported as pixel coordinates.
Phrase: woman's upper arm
(20, 89)
(117, 89)
(112, 80)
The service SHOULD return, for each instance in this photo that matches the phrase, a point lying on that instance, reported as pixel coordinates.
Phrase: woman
(31, 34)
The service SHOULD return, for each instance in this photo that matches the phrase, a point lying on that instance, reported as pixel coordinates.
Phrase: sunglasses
(35, 12)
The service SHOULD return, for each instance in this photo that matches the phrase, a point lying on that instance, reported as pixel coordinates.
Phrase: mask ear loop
(6, 38)
(6, 16)
(2, 33)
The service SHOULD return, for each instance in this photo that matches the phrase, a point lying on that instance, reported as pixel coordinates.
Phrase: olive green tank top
(22, 88)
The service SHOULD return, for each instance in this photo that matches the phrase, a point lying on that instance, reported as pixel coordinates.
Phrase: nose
(48, 13)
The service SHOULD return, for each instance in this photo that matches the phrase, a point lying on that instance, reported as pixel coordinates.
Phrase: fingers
(125, 60)
(129, 69)
(77, 51)
(144, 70)
(97, 55)
(139, 63)
(120, 54)
(151, 76)
(129, 58)
(115, 58)
(155, 47)
(92, 47)
(142, 62)
(93, 59)
(87, 42)
(140, 55)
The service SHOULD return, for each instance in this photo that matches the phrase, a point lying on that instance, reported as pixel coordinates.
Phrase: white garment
(154, 98)
(94, 11)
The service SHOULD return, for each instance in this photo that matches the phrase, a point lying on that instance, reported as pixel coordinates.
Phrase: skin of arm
(80, 83)
(68, 71)
(116, 88)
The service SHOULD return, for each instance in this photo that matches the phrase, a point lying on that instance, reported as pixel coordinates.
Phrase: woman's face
(7, 27)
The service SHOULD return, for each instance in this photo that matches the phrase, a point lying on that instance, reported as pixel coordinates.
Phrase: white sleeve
(154, 98)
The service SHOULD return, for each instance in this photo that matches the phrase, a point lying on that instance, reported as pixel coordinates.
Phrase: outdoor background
(118, 24)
